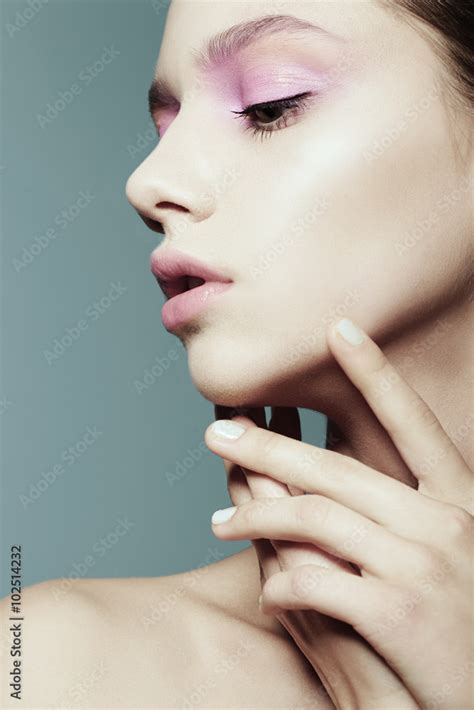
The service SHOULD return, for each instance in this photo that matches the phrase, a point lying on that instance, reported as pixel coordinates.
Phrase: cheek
(319, 230)
(339, 218)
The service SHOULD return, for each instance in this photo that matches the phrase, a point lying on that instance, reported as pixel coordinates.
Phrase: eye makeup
(270, 86)
(269, 116)
(164, 118)
(271, 81)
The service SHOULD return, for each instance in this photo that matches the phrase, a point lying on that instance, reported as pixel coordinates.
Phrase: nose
(171, 188)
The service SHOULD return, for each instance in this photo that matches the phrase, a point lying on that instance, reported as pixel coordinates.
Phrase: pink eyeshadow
(276, 81)
(258, 80)
(165, 118)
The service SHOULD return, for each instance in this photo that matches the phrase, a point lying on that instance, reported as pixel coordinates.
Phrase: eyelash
(294, 105)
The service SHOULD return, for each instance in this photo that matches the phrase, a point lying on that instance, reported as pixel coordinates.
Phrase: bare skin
(352, 261)
(210, 637)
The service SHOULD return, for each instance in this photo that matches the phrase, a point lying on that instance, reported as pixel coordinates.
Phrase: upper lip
(173, 268)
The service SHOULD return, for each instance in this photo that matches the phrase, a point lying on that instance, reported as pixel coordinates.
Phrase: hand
(352, 673)
(412, 598)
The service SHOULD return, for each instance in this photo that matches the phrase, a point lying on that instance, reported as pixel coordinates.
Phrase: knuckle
(403, 604)
(303, 580)
(457, 525)
(380, 365)
(311, 459)
(341, 468)
(309, 508)
(268, 446)
(420, 413)
(426, 561)
(272, 589)
(382, 375)
(248, 515)
(396, 606)
(253, 514)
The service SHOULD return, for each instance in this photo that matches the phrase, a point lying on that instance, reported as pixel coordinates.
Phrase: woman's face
(349, 201)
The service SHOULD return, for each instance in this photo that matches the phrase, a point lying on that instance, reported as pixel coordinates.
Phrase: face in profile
(311, 157)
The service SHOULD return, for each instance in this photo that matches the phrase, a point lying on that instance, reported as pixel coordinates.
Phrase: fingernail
(222, 516)
(260, 600)
(351, 333)
(227, 429)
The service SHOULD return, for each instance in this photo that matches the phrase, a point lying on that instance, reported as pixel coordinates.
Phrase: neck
(436, 360)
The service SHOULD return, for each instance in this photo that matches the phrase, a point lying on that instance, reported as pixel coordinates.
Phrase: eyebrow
(226, 44)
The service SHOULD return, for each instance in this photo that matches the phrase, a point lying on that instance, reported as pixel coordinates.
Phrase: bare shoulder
(175, 641)
(56, 633)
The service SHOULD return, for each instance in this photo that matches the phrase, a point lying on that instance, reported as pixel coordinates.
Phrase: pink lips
(189, 285)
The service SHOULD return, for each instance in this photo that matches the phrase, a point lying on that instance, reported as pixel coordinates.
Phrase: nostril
(154, 225)
(171, 205)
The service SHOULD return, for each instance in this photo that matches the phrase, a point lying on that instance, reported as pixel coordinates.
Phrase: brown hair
(453, 36)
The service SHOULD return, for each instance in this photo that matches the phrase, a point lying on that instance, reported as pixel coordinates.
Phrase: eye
(269, 116)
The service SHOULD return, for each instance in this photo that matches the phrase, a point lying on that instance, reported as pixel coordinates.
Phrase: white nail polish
(227, 429)
(222, 516)
(350, 332)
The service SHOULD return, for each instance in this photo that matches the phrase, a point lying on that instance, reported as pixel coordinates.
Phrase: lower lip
(182, 308)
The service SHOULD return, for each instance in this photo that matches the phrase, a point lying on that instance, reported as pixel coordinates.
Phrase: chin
(225, 373)
(252, 373)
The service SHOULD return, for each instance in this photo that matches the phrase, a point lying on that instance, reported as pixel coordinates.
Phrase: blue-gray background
(104, 471)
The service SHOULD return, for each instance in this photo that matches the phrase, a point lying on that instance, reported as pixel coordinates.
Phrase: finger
(381, 498)
(332, 592)
(320, 521)
(239, 490)
(411, 424)
(239, 493)
(267, 559)
(261, 485)
(255, 414)
(289, 554)
(237, 485)
(273, 555)
(286, 421)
